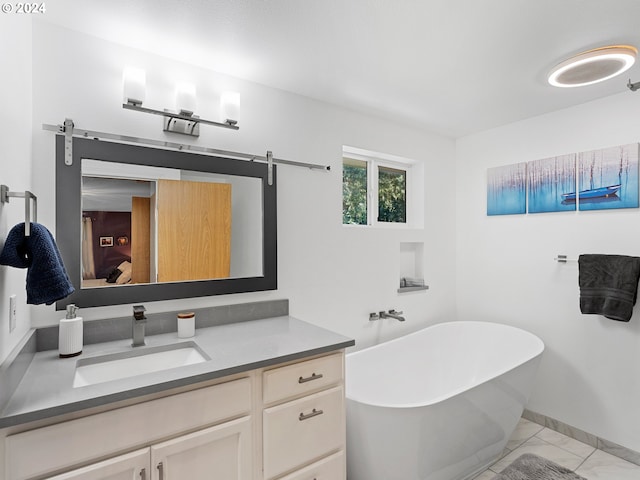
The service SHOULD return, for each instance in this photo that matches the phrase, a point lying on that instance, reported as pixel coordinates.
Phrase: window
(375, 189)
(354, 192)
(392, 195)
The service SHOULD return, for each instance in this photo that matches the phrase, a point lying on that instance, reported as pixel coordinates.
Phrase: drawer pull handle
(311, 378)
(314, 413)
(161, 470)
(143, 474)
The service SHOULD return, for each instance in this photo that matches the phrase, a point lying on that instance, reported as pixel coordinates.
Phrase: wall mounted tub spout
(392, 314)
(139, 321)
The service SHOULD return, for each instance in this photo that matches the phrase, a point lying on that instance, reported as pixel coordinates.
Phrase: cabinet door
(223, 451)
(132, 466)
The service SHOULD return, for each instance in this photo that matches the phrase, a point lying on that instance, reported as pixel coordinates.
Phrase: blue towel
(47, 279)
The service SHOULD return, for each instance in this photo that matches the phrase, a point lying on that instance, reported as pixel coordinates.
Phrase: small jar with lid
(186, 325)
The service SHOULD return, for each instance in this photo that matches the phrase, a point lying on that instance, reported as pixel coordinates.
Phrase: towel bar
(564, 259)
(5, 194)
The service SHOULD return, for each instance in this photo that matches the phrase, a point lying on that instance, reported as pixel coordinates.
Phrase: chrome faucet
(392, 314)
(139, 322)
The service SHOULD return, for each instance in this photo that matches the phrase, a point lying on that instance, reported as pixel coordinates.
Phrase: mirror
(154, 225)
(137, 224)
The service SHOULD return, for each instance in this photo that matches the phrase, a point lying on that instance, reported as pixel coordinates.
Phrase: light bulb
(186, 98)
(230, 107)
(133, 85)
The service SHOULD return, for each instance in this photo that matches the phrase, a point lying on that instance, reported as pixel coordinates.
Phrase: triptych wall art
(603, 179)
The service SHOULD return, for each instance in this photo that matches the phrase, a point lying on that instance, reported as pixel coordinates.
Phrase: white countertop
(46, 390)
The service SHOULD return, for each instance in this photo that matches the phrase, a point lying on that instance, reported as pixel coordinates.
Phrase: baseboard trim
(584, 437)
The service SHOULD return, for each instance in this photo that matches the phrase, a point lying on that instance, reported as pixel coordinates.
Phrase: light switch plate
(12, 313)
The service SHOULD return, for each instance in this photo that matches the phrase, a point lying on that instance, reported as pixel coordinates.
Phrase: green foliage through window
(392, 191)
(354, 192)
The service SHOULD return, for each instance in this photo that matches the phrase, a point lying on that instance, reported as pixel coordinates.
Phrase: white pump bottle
(70, 334)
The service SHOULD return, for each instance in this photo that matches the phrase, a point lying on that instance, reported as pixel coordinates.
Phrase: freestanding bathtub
(437, 404)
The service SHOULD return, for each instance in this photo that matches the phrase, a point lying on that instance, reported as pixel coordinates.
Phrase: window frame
(374, 161)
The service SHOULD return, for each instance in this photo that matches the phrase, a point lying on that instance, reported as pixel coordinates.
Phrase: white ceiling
(449, 66)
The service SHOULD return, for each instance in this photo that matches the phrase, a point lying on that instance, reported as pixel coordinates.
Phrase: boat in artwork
(593, 193)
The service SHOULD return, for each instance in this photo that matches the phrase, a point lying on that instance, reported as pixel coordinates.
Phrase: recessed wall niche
(411, 267)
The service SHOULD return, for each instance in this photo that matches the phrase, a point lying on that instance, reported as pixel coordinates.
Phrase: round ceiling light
(593, 66)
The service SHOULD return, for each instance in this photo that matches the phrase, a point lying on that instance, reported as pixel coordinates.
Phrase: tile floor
(584, 459)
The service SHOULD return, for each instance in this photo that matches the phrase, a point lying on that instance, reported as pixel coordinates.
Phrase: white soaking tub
(437, 404)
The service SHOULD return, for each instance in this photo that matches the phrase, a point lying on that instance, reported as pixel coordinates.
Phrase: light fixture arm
(633, 86)
(171, 116)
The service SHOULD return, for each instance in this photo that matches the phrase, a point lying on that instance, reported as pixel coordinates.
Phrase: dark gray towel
(608, 285)
(47, 279)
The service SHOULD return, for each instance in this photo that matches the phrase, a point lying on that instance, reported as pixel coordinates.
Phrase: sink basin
(131, 363)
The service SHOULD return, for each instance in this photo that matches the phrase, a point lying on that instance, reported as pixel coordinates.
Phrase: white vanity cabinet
(304, 420)
(285, 422)
(203, 421)
(223, 451)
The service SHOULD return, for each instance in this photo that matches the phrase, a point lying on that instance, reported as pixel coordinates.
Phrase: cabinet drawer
(330, 468)
(302, 431)
(302, 378)
(64, 445)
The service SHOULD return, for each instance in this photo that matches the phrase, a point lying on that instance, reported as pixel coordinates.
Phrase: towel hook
(5, 194)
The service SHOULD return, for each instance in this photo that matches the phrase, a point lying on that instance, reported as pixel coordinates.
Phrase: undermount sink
(131, 363)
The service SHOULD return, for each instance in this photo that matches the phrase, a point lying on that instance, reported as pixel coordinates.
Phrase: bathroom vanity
(268, 403)
(256, 398)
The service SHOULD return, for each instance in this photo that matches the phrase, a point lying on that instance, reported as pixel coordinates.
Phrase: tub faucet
(139, 321)
(392, 314)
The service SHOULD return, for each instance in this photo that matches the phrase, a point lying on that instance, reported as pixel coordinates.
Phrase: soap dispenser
(70, 334)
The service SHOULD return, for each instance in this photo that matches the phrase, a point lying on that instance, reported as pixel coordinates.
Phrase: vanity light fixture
(593, 66)
(184, 120)
(230, 107)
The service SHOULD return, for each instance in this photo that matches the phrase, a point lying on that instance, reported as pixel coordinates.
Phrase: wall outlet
(12, 313)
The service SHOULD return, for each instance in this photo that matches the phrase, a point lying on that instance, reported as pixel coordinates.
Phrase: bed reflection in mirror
(143, 225)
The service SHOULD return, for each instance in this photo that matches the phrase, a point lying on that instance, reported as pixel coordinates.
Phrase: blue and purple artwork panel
(507, 189)
(608, 178)
(550, 179)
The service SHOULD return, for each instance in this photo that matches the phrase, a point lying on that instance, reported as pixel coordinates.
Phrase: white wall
(15, 162)
(589, 376)
(246, 231)
(334, 276)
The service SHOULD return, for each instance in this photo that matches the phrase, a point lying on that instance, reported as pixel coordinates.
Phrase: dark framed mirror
(138, 224)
